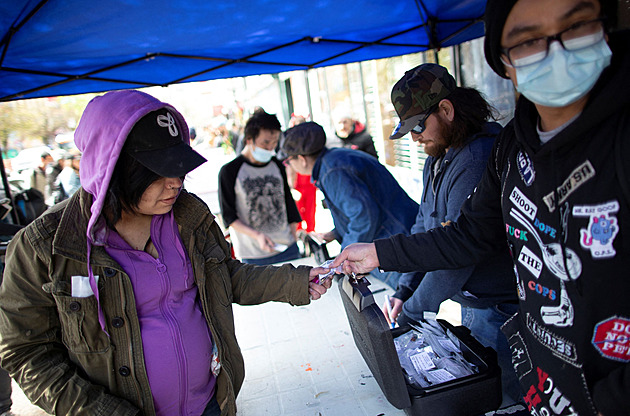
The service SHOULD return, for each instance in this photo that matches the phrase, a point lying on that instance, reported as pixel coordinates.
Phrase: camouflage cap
(416, 92)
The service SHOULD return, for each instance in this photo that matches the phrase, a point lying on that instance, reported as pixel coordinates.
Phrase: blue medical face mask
(262, 155)
(563, 77)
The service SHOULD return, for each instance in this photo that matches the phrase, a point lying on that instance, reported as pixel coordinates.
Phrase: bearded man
(452, 124)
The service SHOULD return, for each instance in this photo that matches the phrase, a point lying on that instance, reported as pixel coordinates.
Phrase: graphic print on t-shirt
(264, 202)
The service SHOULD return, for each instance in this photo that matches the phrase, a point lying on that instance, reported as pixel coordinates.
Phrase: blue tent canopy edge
(65, 47)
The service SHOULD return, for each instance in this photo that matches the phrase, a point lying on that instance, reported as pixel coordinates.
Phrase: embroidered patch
(531, 261)
(611, 338)
(525, 168)
(515, 232)
(523, 203)
(169, 122)
(520, 284)
(577, 178)
(602, 228)
(561, 315)
(544, 228)
(552, 253)
(521, 361)
(543, 291)
(546, 398)
(561, 348)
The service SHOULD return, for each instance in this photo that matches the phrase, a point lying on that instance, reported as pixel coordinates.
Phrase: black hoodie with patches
(571, 338)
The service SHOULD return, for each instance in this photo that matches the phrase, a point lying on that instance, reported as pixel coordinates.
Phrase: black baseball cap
(156, 142)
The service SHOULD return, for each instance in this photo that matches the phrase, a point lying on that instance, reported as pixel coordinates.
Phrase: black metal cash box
(468, 396)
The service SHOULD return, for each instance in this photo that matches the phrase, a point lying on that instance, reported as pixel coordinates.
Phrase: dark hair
(260, 120)
(129, 181)
(471, 112)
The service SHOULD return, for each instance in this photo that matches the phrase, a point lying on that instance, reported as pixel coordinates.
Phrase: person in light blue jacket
(365, 200)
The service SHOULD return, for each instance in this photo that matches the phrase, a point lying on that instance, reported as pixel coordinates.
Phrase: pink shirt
(175, 336)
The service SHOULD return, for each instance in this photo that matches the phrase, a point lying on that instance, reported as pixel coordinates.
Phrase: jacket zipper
(174, 326)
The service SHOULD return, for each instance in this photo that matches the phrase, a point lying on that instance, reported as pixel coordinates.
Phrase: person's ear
(446, 109)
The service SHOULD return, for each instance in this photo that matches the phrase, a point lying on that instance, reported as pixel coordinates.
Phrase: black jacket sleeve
(478, 233)
(611, 394)
(407, 284)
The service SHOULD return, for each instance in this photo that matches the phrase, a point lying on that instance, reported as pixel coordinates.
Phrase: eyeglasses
(419, 128)
(578, 36)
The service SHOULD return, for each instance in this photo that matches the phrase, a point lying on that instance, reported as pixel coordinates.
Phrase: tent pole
(457, 65)
(365, 107)
(308, 95)
(328, 104)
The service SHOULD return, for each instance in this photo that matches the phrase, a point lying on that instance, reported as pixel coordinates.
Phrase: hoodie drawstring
(94, 286)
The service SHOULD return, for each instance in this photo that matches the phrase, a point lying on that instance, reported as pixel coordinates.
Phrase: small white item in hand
(388, 304)
(323, 277)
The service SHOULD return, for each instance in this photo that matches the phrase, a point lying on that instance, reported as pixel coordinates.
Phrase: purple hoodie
(100, 136)
(177, 345)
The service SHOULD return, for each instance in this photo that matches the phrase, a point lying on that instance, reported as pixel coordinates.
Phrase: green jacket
(52, 343)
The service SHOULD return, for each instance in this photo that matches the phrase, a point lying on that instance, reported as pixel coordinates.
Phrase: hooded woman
(117, 301)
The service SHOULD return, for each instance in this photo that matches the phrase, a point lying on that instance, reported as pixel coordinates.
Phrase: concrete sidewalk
(303, 361)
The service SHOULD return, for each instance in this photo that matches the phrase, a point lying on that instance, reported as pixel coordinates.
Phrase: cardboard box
(468, 396)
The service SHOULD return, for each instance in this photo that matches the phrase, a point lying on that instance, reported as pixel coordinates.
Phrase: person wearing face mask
(559, 174)
(255, 198)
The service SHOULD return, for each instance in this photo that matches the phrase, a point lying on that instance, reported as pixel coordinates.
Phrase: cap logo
(167, 121)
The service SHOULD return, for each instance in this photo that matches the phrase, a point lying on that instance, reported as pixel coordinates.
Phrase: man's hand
(357, 258)
(326, 237)
(396, 305)
(316, 290)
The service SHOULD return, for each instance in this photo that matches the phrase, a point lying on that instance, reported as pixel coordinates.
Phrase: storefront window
(363, 91)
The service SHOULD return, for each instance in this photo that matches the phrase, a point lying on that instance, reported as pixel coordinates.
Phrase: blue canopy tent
(55, 47)
(64, 47)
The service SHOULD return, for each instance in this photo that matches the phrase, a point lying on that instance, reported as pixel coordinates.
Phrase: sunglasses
(419, 128)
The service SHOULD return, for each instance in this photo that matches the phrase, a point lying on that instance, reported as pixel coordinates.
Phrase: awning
(63, 47)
